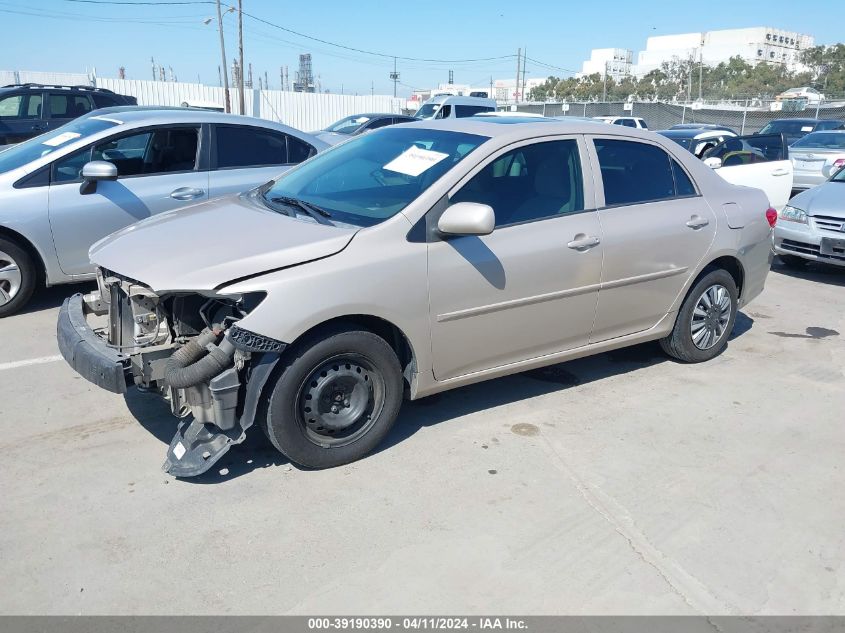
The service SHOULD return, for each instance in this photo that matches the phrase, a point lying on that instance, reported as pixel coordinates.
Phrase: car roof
(523, 127)
(162, 115)
(674, 133)
(462, 100)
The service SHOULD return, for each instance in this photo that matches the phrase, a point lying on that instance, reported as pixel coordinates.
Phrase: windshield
(686, 143)
(373, 177)
(840, 175)
(787, 127)
(348, 125)
(821, 140)
(26, 152)
(427, 111)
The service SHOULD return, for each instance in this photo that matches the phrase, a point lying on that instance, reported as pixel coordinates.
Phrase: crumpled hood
(204, 246)
(824, 199)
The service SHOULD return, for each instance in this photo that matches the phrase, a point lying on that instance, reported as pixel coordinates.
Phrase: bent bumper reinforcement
(86, 352)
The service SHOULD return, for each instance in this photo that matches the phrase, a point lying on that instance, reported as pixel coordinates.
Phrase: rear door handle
(780, 172)
(186, 193)
(696, 222)
(583, 242)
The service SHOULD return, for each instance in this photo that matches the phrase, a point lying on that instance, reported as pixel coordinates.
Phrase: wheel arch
(27, 245)
(729, 263)
(391, 333)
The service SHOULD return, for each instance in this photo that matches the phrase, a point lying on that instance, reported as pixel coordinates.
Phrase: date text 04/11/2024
(430, 623)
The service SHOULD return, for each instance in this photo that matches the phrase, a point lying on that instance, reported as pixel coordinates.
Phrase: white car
(627, 121)
(806, 92)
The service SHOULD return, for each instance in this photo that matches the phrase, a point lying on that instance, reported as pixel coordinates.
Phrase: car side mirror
(467, 218)
(714, 162)
(95, 171)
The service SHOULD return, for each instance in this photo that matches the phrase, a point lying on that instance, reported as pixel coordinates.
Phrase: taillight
(771, 217)
(838, 164)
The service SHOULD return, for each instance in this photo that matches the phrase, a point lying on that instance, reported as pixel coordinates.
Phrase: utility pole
(604, 88)
(372, 88)
(491, 88)
(249, 81)
(700, 68)
(153, 63)
(524, 59)
(395, 77)
(241, 55)
(226, 105)
(518, 66)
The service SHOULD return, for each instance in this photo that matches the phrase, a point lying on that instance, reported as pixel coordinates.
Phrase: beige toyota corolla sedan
(409, 261)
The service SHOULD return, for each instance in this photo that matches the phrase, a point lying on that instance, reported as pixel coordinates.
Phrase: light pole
(226, 105)
(241, 55)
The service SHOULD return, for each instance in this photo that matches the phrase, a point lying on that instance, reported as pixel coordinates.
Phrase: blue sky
(61, 35)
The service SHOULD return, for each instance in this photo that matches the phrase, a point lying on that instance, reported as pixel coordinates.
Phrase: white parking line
(31, 361)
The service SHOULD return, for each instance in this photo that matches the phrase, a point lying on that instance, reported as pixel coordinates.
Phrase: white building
(615, 62)
(754, 45)
(505, 89)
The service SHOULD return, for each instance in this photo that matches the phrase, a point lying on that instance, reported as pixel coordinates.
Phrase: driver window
(529, 183)
(152, 152)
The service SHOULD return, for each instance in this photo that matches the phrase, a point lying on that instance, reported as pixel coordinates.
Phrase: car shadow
(52, 297)
(257, 452)
(813, 271)
(154, 415)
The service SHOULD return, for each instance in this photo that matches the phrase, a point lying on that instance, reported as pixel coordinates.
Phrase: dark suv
(27, 110)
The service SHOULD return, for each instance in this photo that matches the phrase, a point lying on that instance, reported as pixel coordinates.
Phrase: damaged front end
(187, 347)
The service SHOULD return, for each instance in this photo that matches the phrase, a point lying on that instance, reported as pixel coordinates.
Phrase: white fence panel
(56, 79)
(304, 111)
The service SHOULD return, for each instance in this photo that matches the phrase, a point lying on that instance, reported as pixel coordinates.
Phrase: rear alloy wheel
(705, 320)
(17, 277)
(336, 398)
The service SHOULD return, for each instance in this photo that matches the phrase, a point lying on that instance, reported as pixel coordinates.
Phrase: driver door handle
(697, 222)
(583, 242)
(780, 172)
(186, 193)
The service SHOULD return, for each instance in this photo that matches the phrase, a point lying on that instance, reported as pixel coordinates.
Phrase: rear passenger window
(298, 150)
(683, 185)
(254, 147)
(68, 106)
(250, 147)
(529, 183)
(634, 172)
(462, 111)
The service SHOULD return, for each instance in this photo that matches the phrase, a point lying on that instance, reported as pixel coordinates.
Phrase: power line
(293, 32)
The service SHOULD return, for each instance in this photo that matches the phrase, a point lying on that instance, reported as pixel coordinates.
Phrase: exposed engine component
(199, 360)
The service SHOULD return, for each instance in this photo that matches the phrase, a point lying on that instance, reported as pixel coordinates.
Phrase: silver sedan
(812, 225)
(64, 190)
(816, 157)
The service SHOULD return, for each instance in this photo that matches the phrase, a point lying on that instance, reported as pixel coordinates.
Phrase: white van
(449, 107)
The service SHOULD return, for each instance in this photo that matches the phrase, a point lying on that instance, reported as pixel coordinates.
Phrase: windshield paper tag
(61, 139)
(807, 128)
(415, 160)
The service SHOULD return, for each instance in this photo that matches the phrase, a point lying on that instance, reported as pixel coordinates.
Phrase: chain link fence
(744, 119)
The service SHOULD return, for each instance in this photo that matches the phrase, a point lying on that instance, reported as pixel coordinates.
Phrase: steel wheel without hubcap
(10, 278)
(340, 400)
(710, 317)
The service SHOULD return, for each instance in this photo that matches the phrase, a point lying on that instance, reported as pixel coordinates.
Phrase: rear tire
(336, 398)
(18, 275)
(705, 320)
(793, 261)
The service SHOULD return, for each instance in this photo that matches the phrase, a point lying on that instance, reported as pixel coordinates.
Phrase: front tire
(705, 320)
(17, 277)
(336, 398)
